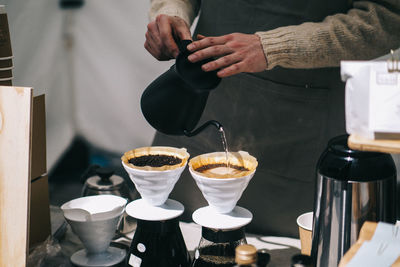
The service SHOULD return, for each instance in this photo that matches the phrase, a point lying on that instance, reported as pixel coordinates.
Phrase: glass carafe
(217, 247)
(158, 243)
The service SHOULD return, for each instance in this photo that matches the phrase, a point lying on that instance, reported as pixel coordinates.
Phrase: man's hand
(235, 53)
(160, 35)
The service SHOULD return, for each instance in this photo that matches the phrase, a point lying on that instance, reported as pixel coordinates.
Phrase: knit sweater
(368, 30)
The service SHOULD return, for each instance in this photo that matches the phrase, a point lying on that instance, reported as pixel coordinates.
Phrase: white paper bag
(372, 99)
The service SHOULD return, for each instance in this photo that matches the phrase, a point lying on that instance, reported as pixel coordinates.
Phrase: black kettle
(174, 102)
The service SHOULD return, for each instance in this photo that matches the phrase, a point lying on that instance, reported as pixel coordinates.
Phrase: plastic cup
(6, 73)
(305, 222)
(6, 62)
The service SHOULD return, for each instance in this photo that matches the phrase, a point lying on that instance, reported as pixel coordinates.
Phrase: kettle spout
(202, 127)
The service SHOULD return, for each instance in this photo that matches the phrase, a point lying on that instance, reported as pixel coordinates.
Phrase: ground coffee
(207, 167)
(155, 160)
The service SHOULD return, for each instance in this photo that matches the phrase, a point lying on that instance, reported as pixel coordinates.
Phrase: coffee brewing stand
(221, 233)
(158, 240)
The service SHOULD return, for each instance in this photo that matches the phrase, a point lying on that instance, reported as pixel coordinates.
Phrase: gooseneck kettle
(174, 102)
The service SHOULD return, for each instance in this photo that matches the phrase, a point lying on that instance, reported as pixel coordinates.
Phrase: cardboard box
(371, 99)
(39, 209)
(38, 149)
(39, 217)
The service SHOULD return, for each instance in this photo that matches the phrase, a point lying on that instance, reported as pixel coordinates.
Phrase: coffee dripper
(220, 235)
(223, 222)
(174, 102)
(94, 219)
(158, 240)
(103, 181)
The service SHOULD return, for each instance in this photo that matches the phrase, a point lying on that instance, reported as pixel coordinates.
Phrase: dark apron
(283, 117)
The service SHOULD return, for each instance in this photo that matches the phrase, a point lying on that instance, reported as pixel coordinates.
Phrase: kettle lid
(105, 180)
(339, 145)
(340, 162)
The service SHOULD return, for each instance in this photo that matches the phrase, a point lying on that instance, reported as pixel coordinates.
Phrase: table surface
(281, 249)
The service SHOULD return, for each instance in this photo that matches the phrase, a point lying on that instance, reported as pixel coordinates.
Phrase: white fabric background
(91, 65)
(112, 69)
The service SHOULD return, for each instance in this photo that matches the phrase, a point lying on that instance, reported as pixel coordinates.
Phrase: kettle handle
(182, 44)
(202, 127)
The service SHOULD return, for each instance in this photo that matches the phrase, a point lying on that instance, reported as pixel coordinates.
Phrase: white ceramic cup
(6, 58)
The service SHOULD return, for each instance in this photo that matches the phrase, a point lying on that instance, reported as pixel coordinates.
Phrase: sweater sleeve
(370, 29)
(185, 9)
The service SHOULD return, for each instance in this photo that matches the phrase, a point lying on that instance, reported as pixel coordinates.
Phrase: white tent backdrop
(112, 68)
(91, 65)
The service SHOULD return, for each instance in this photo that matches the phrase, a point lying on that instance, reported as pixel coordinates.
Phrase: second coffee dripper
(174, 102)
(222, 221)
